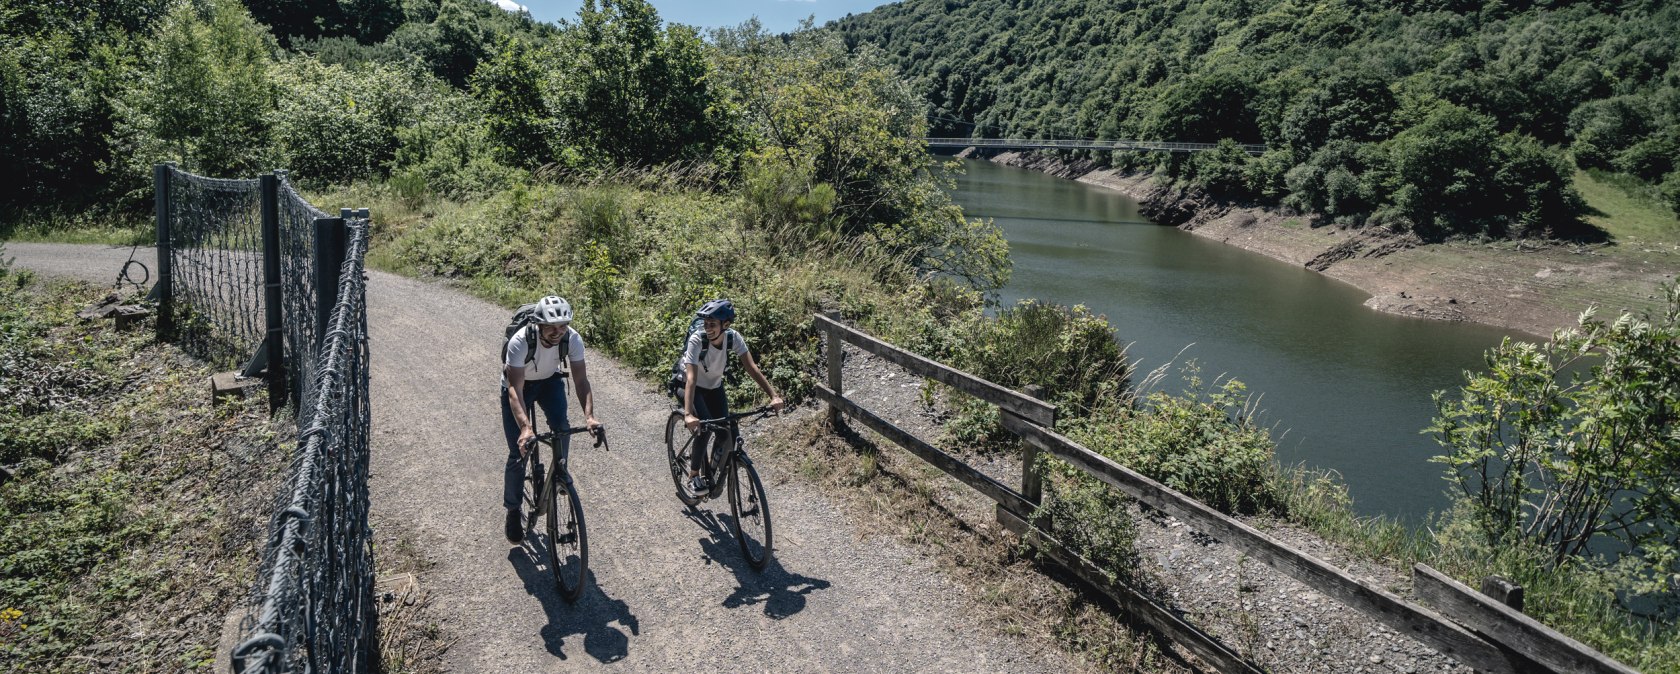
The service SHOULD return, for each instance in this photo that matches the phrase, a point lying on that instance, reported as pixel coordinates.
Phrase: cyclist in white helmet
(535, 370)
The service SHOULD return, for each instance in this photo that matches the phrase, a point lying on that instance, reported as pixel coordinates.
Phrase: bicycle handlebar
(600, 433)
(717, 424)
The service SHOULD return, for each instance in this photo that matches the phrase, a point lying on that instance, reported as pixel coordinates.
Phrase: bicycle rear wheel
(752, 512)
(675, 433)
(568, 540)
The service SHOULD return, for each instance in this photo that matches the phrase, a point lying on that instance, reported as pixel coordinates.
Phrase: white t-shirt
(710, 373)
(547, 360)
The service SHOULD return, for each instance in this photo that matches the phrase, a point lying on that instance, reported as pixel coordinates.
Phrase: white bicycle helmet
(553, 310)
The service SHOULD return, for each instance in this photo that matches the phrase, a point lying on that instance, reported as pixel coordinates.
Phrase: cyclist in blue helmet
(703, 393)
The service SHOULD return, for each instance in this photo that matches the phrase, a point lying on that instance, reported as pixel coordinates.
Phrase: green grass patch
(91, 227)
(1627, 208)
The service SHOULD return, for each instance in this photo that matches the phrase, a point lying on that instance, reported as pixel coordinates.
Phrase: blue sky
(776, 15)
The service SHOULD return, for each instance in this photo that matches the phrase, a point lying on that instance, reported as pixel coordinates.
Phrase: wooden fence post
(1032, 485)
(834, 362)
(161, 176)
(1504, 592)
(274, 341)
(329, 257)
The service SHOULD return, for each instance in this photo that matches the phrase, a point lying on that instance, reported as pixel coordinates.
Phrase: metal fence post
(834, 361)
(161, 174)
(274, 340)
(329, 258)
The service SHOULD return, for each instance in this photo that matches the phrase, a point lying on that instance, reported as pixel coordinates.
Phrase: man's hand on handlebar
(527, 437)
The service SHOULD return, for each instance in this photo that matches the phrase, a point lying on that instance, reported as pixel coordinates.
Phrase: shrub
(1204, 445)
(335, 124)
(1670, 191)
(1571, 443)
(202, 97)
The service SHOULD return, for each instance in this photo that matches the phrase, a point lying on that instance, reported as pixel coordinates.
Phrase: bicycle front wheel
(568, 540)
(678, 444)
(752, 512)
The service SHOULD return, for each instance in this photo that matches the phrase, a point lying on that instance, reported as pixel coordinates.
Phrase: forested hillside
(1443, 117)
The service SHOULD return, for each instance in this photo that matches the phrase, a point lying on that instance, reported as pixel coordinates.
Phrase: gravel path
(670, 589)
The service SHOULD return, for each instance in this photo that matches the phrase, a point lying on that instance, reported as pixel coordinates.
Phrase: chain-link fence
(297, 219)
(315, 610)
(250, 269)
(213, 242)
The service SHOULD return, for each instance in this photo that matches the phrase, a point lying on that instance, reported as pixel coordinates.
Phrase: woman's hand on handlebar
(776, 404)
(691, 421)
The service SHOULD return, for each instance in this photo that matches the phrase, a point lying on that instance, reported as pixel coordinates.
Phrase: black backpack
(678, 381)
(523, 318)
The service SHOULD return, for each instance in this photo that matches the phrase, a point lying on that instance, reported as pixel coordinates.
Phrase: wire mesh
(312, 609)
(215, 244)
(297, 274)
(314, 603)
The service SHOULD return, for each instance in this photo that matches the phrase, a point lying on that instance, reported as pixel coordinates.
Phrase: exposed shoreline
(1528, 286)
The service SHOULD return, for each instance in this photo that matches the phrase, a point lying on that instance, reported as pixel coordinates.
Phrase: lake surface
(1344, 387)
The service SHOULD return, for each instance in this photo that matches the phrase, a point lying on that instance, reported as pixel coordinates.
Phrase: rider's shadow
(782, 592)
(592, 616)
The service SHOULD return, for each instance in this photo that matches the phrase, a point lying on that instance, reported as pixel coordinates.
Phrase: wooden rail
(1004, 496)
(1482, 633)
(1545, 646)
(1141, 608)
(1007, 399)
(1408, 618)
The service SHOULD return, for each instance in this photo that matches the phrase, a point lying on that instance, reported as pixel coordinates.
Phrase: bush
(1203, 445)
(1670, 191)
(202, 98)
(1569, 445)
(335, 124)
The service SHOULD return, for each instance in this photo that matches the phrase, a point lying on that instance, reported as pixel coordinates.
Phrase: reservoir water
(1344, 387)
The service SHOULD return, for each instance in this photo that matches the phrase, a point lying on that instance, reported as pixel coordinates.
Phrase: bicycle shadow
(592, 616)
(782, 592)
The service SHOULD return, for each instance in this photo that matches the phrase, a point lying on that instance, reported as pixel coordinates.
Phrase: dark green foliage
(631, 93)
(1201, 443)
(1595, 78)
(367, 21)
(1670, 191)
(509, 85)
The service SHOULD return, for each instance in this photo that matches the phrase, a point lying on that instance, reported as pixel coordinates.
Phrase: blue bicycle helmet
(723, 310)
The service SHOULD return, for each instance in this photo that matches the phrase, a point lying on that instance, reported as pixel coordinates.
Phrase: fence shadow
(782, 592)
(591, 617)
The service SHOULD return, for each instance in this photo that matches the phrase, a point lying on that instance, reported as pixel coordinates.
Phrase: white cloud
(510, 5)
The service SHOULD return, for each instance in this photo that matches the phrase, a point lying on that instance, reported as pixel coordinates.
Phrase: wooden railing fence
(1484, 634)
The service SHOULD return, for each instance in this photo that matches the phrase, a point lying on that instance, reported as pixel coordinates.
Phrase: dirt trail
(670, 589)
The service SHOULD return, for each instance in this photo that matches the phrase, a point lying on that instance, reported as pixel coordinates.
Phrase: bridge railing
(1479, 633)
(249, 268)
(1087, 144)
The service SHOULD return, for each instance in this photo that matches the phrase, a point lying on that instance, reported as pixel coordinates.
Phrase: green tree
(1439, 166)
(334, 124)
(510, 87)
(203, 95)
(1563, 443)
(631, 94)
(847, 121)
